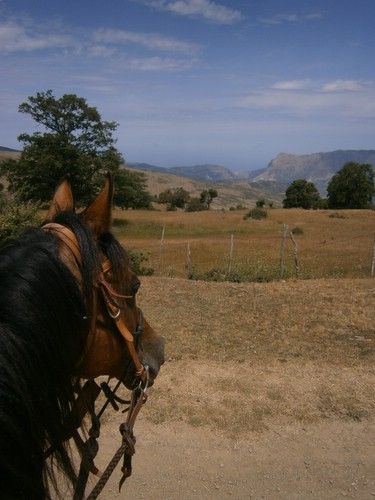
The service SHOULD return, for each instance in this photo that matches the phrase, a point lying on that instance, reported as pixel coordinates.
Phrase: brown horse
(67, 311)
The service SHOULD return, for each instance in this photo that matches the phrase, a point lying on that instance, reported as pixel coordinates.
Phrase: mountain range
(206, 172)
(317, 168)
(272, 180)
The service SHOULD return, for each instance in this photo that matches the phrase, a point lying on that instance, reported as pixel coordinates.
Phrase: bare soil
(177, 461)
(267, 392)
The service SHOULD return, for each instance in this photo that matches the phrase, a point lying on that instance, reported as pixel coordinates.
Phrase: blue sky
(199, 81)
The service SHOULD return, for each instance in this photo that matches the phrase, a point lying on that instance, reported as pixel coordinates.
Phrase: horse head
(120, 342)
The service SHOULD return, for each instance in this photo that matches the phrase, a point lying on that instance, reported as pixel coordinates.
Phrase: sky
(198, 81)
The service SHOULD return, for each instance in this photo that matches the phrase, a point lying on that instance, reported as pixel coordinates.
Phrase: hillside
(8, 153)
(317, 167)
(231, 194)
(206, 172)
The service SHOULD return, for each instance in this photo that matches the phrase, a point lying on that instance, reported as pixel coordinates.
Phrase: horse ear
(62, 200)
(98, 215)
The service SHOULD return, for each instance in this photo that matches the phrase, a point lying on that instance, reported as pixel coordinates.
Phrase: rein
(87, 396)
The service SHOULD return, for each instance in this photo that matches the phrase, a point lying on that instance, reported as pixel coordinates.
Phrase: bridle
(85, 402)
(106, 291)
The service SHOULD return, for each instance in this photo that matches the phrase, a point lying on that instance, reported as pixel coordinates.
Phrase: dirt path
(177, 461)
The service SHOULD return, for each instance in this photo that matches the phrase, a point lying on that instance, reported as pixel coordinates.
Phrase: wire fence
(265, 257)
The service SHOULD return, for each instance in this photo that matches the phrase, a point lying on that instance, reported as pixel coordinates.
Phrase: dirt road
(178, 461)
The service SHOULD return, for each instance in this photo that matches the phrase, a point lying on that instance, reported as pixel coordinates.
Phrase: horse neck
(42, 335)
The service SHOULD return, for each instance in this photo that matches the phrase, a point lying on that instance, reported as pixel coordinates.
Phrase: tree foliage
(174, 198)
(131, 190)
(352, 186)
(301, 194)
(207, 196)
(76, 141)
(16, 217)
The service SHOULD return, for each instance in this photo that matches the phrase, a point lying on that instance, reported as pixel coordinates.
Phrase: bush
(336, 215)
(136, 258)
(16, 218)
(260, 203)
(120, 223)
(195, 205)
(257, 213)
(297, 230)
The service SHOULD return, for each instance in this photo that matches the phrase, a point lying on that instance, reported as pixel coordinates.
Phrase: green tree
(177, 198)
(301, 194)
(76, 141)
(195, 205)
(207, 196)
(131, 190)
(352, 186)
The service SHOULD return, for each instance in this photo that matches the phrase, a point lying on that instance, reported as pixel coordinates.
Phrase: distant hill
(231, 193)
(2, 148)
(207, 172)
(214, 173)
(8, 153)
(317, 168)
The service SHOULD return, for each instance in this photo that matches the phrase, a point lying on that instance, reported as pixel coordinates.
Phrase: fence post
(295, 252)
(188, 265)
(282, 250)
(161, 248)
(373, 260)
(231, 253)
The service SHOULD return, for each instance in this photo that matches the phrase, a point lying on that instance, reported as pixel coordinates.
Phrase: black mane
(44, 323)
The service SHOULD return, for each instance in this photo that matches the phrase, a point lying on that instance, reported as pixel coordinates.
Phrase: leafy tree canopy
(207, 196)
(130, 190)
(352, 186)
(301, 194)
(76, 141)
(176, 198)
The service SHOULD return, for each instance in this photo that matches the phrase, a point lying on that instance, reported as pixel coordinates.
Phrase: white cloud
(149, 40)
(16, 37)
(291, 85)
(207, 9)
(291, 18)
(343, 86)
(335, 100)
(158, 64)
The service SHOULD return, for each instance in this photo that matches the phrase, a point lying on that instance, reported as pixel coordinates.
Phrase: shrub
(16, 218)
(336, 215)
(257, 213)
(120, 223)
(297, 230)
(260, 203)
(136, 259)
(195, 205)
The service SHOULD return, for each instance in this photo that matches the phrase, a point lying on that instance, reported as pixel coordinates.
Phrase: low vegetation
(257, 213)
(16, 218)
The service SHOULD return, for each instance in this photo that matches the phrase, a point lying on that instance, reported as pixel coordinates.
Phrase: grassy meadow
(331, 244)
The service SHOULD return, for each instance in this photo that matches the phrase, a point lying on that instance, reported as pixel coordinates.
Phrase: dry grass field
(330, 244)
(259, 352)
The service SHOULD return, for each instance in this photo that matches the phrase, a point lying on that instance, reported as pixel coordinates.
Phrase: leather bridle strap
(68, 237)
(114, 311)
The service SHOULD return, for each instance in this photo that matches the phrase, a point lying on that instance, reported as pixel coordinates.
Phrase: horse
(67, 312)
